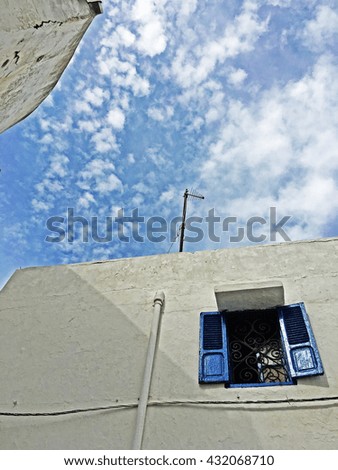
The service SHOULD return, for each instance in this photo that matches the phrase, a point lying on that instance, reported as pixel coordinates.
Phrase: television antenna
(192, 194)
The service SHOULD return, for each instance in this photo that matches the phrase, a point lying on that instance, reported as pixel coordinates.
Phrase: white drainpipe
(142, 406)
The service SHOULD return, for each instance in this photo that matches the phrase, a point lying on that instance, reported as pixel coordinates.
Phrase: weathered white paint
(76, 337)
(37, 40)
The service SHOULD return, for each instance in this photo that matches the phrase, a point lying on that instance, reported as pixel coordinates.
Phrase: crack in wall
(37, 26)
(60, 23)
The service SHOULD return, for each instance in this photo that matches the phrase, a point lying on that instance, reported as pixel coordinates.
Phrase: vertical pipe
(183, 219)
(143, 401)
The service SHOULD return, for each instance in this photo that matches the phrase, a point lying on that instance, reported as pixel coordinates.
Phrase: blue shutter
(299, 342)
(213, 361)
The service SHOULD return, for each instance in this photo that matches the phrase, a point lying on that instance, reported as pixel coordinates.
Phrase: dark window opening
(255, 349)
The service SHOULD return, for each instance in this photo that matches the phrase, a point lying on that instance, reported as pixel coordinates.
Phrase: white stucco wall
(75, 337)
(37, 40)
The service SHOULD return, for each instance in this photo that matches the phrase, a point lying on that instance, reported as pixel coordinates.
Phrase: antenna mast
(186, 195)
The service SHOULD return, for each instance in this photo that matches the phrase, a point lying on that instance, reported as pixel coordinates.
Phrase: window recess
(274, 346)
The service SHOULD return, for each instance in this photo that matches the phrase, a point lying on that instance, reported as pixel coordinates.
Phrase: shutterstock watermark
(132, 226)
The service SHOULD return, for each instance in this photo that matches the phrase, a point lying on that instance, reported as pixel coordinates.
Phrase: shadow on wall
(65, 345)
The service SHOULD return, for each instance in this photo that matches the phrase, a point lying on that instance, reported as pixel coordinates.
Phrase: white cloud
(58, 166)
(99, 177)
(40, 206)
(111, 183)
(279, 3)
(160, 114)
(141, 188)
(96, 96)
(118, 37)
(127, 38)
(140, 86)
(322, 30)
(122, 74)
(237, 77)
(188, 7)
(154, 155)
(137, 200)
(116, 118)
(96, 167)
(196, 124)
(314, 199)
(44, 124)
(104, 141)
(52, 184)
(152, 39)
(85, 200)
(130, 159)
(193, 65)
(168, 196)
(82, 106)
(216, 106)
(284, 146)
(90, 125)
(104, 253)
(49, 185)
(46, 139)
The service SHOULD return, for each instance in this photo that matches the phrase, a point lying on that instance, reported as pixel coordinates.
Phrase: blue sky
(238, 99)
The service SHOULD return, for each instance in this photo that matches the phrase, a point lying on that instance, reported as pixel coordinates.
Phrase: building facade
(74, 342)
(37, 40)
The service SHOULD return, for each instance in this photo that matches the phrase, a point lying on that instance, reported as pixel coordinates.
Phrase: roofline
(188, 253)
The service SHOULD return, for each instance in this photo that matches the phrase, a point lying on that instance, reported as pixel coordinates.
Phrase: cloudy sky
(238, 99)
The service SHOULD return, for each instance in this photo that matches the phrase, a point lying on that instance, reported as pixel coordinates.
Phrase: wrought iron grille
(255, 349)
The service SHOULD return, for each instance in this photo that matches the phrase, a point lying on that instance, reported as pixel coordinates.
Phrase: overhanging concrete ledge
(249, 296)
(37, 41)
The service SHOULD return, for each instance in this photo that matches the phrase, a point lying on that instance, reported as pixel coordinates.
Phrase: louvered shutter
(299, 341)
(213, 360)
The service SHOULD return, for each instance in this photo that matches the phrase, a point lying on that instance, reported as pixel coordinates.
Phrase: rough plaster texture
(76, 337)
(37, 40)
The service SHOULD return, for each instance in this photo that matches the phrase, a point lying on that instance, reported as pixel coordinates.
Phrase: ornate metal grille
(255, 349)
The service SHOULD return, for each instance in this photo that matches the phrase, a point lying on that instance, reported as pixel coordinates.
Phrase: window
(274, 346)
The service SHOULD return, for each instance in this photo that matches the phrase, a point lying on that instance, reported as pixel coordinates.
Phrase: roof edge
(187, 253)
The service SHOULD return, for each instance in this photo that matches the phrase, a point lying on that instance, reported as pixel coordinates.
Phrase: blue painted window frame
(302, 358)
(213, 361)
